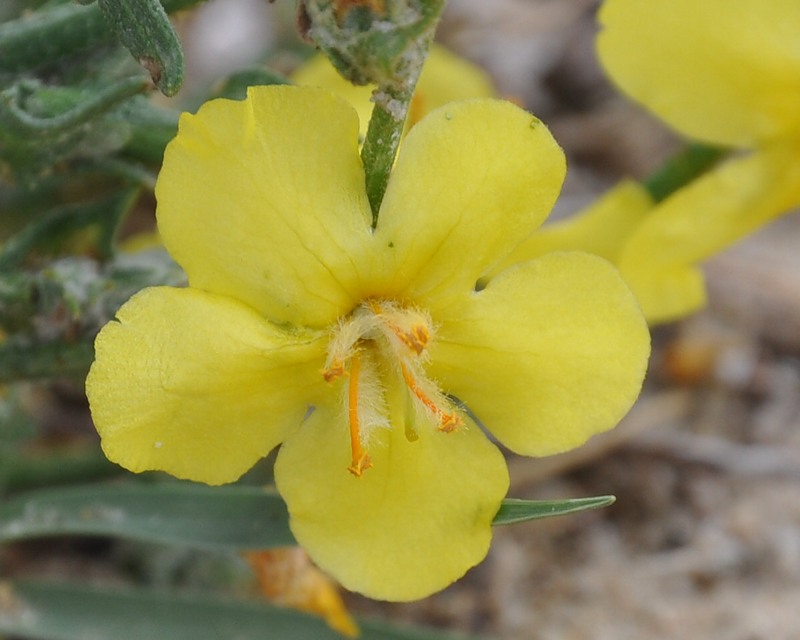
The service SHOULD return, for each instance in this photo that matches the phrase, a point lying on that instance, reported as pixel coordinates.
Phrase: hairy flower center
(381, 343)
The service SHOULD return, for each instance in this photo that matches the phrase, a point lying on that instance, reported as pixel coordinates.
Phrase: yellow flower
(445, 78)
(725, 72)
(355, 347)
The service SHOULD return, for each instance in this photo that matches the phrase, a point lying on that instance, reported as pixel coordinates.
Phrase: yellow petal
(552, 351)
(413, 523)
(198, 385)
(472, 179)
(264, 200)
(722, 71)
(701, 219)
(601, 228)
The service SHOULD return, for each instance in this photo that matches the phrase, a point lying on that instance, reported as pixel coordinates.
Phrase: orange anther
(448, 422)
(416, 339)
(336, 370)
(360, 466)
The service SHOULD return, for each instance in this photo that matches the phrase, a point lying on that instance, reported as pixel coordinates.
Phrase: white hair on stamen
(373, 413)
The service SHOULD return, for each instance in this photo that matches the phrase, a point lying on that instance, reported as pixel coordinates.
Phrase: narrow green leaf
(43, 37)
(182, 514)
(513, 511)
(76, 612)
(145, 30)
(236, 517)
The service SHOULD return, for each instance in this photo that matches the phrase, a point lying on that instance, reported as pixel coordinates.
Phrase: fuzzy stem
(382, 140)
(681, 169)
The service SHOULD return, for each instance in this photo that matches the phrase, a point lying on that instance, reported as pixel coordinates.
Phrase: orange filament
(448, 422)
(361, 461)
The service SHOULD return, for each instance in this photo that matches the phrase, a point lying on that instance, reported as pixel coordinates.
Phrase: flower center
(380, 343)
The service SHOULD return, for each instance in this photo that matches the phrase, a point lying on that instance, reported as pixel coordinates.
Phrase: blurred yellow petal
(551, 352)
(264, 200)
(412, 524)
(319, 72)
(472, 179)
(141, 242)
(198, 385)
(721, 71)
(601, 228)
(667, 293)
(287, 577)
(701, 219)
(445, 77)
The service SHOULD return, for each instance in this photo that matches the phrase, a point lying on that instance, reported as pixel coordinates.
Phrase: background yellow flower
(724, 72)
(445, 77)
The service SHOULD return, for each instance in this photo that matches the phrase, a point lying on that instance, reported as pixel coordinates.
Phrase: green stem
(681, 169)
(382, 140)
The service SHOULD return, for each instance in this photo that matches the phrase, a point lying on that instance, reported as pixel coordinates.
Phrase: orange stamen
(416, 338)
(335, 371)
(361, 461)
(448, 422)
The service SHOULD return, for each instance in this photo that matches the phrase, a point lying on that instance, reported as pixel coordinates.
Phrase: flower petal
(198, 385)
(411, 524)
(472, 179)
(722, 71)
(702, 218)
(601, 228)
(264, 200)
(552, 351)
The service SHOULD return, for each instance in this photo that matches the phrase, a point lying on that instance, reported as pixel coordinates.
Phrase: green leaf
(513, 511)
(181, 514)
(145, 30)
(43, 37)
(77, 612)
(236, 517)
